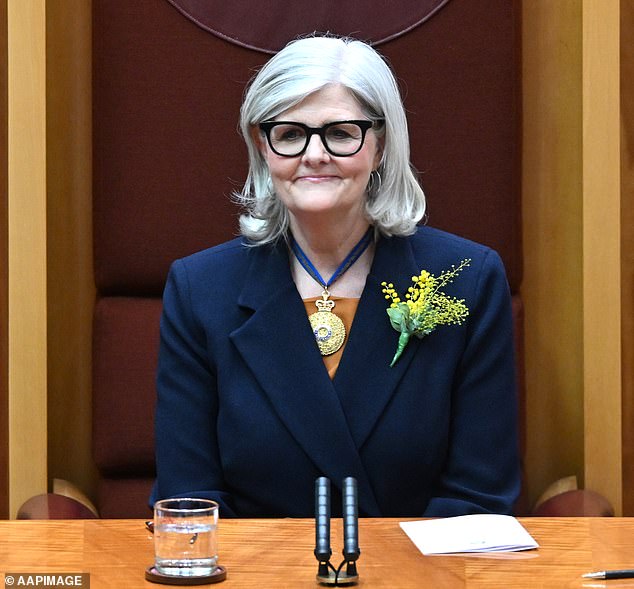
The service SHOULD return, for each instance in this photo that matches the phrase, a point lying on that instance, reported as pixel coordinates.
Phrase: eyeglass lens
(291, 139)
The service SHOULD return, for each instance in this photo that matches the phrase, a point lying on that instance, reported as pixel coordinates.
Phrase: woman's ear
(380, 144)
(378, 156)
(258, 139)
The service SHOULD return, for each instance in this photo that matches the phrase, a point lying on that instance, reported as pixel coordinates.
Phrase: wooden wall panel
(627, 248)
(601, 250)
(27, 249)
(552, 217)
(571, 207)
(4, 274)
(69, 246)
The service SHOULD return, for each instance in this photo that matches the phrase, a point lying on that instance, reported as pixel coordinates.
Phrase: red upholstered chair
(167, 156)
(168, 82)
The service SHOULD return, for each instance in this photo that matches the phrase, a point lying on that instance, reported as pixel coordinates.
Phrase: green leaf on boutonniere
(399, 316)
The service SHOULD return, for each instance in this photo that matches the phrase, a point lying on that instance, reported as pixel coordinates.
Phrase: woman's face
(316, 182)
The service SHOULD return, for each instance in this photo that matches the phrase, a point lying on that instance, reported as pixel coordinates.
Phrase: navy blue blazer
(247, 415)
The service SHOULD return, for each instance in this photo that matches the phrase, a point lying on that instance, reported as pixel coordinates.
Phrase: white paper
(469, 533)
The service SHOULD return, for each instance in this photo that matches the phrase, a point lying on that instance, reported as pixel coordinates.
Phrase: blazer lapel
(277, 344)
(364, 379)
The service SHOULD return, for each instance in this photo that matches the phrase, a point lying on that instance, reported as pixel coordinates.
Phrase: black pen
(622, 574)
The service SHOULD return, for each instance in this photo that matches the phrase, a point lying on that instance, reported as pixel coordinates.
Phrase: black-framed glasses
(340, 138)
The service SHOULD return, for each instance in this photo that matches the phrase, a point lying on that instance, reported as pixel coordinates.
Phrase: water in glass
(186, 550)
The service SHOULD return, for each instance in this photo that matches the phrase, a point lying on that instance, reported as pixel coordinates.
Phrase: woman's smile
(317, 178)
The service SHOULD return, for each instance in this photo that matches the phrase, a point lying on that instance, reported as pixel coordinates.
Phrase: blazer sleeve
(187, 457)
(482, 471)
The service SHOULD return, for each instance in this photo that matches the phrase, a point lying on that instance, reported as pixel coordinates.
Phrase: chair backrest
(168, 78)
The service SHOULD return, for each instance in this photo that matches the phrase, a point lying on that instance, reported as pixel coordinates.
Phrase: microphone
(322, 519)
(322, 525)
(351, 550)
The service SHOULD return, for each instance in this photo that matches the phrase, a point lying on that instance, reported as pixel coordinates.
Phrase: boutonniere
(425, 306)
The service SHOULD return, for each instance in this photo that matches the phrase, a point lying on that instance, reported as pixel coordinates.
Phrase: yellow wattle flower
(425, 306)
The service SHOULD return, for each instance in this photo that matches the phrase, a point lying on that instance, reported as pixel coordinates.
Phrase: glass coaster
(152, 575)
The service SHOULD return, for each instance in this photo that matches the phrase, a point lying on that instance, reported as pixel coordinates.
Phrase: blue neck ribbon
(351, 258)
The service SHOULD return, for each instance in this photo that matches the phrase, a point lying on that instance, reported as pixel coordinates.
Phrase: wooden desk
(263, 554)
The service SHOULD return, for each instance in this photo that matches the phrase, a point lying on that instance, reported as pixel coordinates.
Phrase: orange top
(345, 310)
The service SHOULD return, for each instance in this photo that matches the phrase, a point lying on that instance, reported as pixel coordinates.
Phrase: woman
(264, 384)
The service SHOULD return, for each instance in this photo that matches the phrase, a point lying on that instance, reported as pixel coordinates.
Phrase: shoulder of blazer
(232, 250)
(445, 247)
(227, 262)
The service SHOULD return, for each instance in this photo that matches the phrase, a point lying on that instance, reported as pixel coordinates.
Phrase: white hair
(396, 203)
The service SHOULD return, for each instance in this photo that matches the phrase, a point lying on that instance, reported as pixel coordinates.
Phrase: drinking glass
(185, 543)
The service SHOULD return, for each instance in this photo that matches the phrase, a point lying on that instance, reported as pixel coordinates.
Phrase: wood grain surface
(279, 553)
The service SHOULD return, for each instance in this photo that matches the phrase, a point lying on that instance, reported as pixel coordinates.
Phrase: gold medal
(329, 330)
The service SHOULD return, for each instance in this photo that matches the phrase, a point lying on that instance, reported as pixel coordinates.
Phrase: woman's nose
(315, 150)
